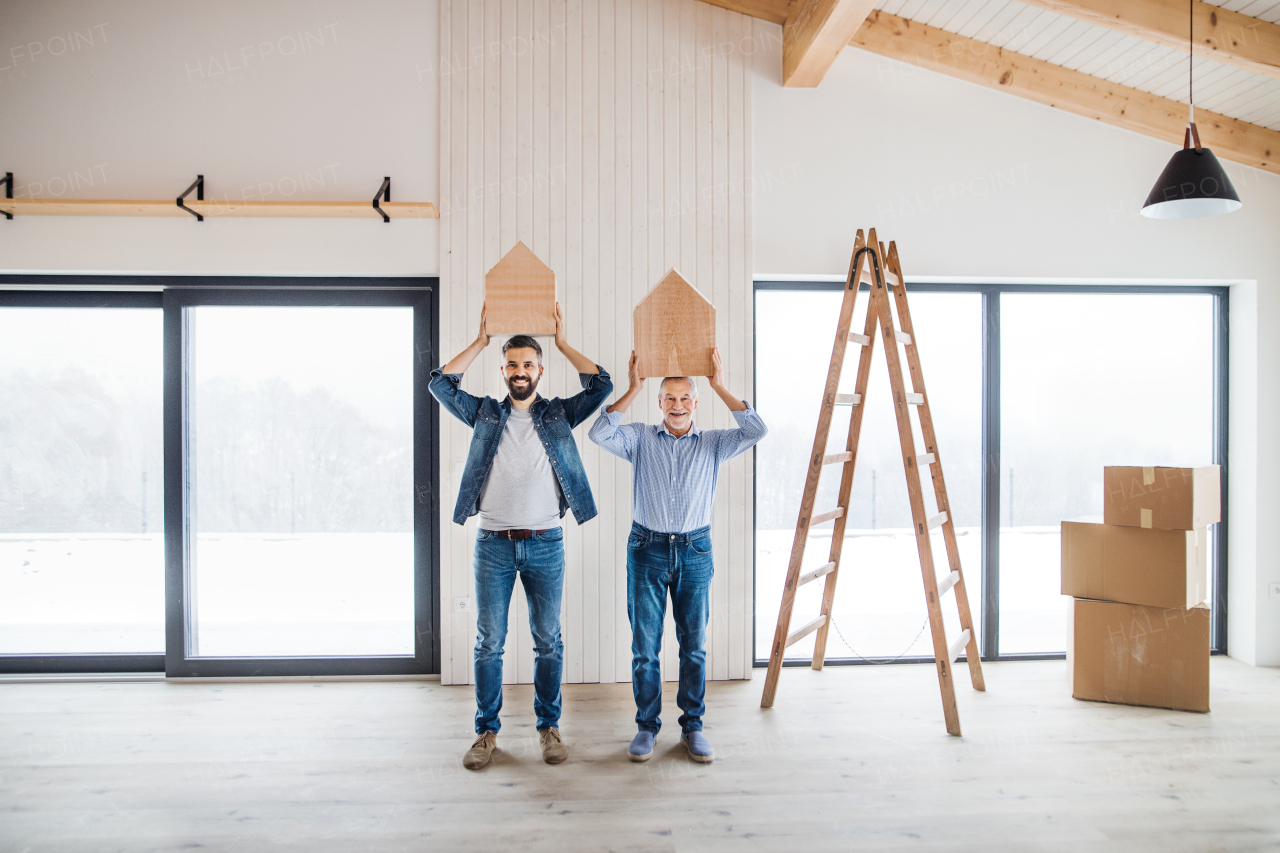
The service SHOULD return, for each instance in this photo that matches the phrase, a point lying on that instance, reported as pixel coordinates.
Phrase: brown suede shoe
(481, 751)
(553, 749)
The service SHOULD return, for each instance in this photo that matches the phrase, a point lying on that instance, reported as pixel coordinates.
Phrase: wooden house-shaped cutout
(520, 295)
(675, 330)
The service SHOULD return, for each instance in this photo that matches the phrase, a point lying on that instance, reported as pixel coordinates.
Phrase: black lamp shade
(1192, 185)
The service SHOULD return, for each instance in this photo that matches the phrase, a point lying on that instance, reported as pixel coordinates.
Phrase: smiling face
(522, 372)
(677, 400)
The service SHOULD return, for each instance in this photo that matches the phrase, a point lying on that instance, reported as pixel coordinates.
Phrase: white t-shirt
(522, 490)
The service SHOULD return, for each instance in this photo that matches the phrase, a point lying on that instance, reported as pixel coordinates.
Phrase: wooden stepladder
(882, 272)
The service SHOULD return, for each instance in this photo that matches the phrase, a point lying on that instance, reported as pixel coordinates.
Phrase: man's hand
(717, 383)
(483, 337)
(580, 362)
(633, 372)
(717, 374)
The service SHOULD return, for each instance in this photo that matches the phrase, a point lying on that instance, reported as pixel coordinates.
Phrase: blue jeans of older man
(658, 563)
(539, 562)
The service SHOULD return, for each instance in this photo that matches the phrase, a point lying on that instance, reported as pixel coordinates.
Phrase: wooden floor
(851, 758)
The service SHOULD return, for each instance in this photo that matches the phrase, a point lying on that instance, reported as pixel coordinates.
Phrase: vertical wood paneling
(612, 137)
(573, 296)
(607, 346)
(621, 323)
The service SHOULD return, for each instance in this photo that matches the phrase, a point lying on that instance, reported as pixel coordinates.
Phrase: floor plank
(851, 758)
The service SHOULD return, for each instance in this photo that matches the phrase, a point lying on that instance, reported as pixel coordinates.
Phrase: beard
(522, 391)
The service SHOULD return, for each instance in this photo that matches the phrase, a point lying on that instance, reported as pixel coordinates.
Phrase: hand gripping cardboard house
(675, 330)
(520, 295)
(1138, 632)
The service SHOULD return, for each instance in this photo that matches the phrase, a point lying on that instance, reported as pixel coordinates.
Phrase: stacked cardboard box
(1139, 625)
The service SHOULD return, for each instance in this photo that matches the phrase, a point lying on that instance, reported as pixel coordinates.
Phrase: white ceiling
(1109, 55)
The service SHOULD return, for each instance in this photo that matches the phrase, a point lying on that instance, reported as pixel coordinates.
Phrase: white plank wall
(613, 138)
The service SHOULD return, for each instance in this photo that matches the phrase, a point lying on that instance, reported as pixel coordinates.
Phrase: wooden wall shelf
(217, 208)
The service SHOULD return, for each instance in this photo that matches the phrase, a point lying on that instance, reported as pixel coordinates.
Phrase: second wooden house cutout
(520, 295)
(675, 330)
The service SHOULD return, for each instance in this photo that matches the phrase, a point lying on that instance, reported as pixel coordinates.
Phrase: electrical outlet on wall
(462, 605)
(1274, 590)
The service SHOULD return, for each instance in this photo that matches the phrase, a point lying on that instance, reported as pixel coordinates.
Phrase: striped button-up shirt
(675, 478)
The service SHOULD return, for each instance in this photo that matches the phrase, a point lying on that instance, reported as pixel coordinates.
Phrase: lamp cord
(1191, 61)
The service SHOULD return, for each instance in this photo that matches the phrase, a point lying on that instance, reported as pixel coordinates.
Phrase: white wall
(974, 183)
(613, 139)
(288, 99)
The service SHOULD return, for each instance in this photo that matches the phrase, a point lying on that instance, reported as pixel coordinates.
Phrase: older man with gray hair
(669, 549)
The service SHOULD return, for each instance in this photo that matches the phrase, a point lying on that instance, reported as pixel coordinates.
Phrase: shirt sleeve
(447, 389)
(614, 436)
(596, 388)
(732, 442)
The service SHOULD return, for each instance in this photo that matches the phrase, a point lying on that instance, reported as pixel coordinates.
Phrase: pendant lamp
(1194, 183)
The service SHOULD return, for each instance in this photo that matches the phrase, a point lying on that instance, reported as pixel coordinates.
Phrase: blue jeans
(656, 563)
(540, 564)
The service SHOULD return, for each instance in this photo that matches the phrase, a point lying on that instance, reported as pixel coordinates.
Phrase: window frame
(990, 513)
(173, 295)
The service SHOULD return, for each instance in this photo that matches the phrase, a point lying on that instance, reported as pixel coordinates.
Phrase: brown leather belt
(519, 535)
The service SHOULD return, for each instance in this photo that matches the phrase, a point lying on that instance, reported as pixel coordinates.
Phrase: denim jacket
(553, 419)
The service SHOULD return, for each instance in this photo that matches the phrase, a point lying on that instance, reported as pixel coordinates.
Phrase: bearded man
(523, 473)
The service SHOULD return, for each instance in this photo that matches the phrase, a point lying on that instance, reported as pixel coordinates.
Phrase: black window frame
(990, 513)
(173, 295)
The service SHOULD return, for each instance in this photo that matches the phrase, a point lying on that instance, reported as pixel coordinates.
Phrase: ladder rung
(915, 399)
(833, 458)
(869, 277)
(938, 520)
(925, 459)
(821, 571)
(859, 338)
(948, 582)
(827, 516)
(953, 651)
(848, 399)
(901, 336)
(808, 629)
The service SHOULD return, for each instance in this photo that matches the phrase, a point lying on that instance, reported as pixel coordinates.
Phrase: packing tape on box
(1144, 518)
(1148, 476)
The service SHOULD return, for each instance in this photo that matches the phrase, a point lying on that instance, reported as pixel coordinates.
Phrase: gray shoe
(699, 749)
(641, 746)
(481, 751)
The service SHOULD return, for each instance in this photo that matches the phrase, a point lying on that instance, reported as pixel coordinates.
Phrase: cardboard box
(1157, 568)
(1135, 655)
(1162, 498)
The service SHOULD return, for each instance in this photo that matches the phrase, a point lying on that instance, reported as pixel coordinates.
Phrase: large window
(1032, 390)
(81, 544)
(218, 477)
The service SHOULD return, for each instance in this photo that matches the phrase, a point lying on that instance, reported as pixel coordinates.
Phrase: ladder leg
(846, 487)
(972, 654)
(880, 301)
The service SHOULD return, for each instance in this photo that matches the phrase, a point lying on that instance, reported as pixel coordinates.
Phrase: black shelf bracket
(198, 186)
(8, 192)
(383, 194)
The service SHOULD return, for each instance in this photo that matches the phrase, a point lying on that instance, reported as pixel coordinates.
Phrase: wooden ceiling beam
(814, 34)
(1228, 37)
(773, 11)
(1052, 85)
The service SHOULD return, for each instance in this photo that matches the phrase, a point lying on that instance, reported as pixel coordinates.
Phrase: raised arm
(460, 362)
(580, 362)
(717, 383)
(633, 390)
